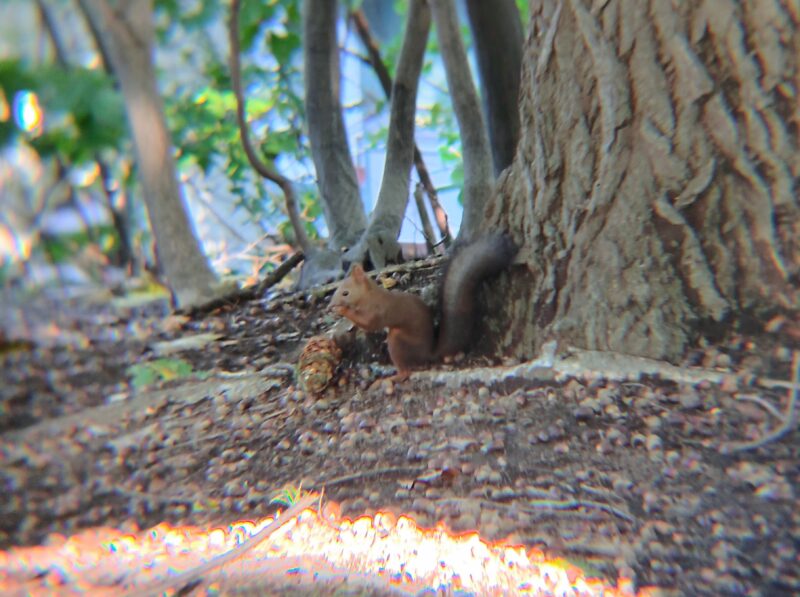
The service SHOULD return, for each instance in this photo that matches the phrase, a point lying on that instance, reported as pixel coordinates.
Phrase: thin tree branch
(255, 160)
(52, 32)
(251, 292)
(93, 27)
(376, 60)
(427, 229)
(198, 193)
(392, 470)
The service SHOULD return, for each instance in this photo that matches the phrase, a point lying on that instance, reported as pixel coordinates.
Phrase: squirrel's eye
(346, 293)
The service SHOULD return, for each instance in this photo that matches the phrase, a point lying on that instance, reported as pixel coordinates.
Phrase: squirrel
(412, 340)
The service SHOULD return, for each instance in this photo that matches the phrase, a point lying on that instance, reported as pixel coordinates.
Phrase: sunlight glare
(27, 112)
(17, 246)
(406, 557)
(85, 175)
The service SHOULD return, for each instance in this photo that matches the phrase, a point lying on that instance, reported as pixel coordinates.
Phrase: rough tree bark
(497, 31)
(126, 34)
(478, 175)
(341, 201)
(655, 184)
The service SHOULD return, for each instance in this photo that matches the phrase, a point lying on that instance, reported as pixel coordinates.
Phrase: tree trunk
(498, 35)
(478, 174)
(379, 242)
(341, 201)
(654, 189)
(126, 30)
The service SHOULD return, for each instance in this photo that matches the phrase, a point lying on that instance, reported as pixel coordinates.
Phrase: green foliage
(204, 13)
(252, 16)
(83, 113)
(283, 45)
(202, 117)
(63, 248)
(203, 126)
(289, 495)
(524, 7)
(145, 374)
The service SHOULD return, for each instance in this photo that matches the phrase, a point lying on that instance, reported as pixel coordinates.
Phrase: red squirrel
(412, 340)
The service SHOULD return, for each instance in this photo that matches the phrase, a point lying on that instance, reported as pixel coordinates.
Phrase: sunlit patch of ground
(380, 554)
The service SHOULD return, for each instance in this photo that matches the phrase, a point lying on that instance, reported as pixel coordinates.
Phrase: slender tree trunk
(655, 186)
(380, 239)
(497, 30)
(126, 30)
(359, 19)
(341, 201)
(478, 174)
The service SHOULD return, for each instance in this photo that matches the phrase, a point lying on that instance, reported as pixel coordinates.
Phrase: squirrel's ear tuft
(357, 272)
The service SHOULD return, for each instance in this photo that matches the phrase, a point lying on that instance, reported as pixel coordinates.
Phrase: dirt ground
(630, 475)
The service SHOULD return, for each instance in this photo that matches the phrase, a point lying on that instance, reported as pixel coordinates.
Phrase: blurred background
(71, 212)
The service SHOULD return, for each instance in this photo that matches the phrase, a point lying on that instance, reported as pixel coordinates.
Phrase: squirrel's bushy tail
(469, 265)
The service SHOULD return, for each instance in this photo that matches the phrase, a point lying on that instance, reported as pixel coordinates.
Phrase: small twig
(789, 419)
(536, 506)
(768, 382)
(249, 293)
(365, 474)
(153, 498)
(194, 441)
(425, 221)
(762, 403)
(278, 275)
(279, 369)
(600, 492)
(532, 505)
(193, 575)
(209, 205)
(578, 547)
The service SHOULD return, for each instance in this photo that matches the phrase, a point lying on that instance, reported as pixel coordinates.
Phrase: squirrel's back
(468, 267)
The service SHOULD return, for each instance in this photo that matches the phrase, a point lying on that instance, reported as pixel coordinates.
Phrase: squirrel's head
(351, 290)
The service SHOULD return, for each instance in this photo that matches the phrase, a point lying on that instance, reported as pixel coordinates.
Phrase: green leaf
(145, 374)
(283, 45)
(289, 495)
(457, 175)
(278, 142)
(252, 16)
(207, 11)
(142, 376)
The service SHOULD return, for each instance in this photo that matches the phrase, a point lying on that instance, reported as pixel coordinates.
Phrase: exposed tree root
(599, 364)
(789, 419)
